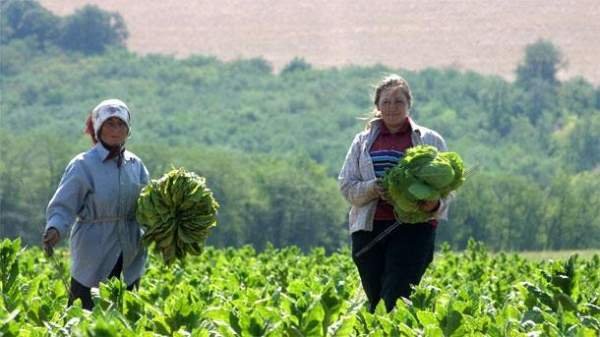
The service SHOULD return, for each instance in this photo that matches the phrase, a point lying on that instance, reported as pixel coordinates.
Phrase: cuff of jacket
(442, 211)
(61, 228)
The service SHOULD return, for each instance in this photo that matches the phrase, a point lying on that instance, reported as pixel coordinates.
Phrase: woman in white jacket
(389, 268)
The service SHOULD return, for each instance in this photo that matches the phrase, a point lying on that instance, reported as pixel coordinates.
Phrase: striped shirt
(384, 160)
(387, 150)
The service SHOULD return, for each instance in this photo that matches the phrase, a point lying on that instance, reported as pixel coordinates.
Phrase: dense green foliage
(89, 30)
(271, 144)
(239, 292)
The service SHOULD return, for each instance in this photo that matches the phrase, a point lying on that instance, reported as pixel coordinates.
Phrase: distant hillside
(272, 144)
(487, 36)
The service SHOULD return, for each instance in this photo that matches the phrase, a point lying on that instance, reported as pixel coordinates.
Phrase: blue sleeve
(68, 199)
(144, 175)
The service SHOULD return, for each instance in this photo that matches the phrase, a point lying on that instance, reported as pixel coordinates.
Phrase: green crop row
(285, 292)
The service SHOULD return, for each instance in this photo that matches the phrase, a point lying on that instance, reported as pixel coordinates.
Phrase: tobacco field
(288, 292)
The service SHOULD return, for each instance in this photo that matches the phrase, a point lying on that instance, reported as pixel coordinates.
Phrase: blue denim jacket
(100, 198)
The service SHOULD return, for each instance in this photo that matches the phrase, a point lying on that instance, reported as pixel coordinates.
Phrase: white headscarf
(107, 109)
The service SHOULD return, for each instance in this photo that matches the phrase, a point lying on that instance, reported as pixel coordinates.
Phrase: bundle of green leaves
(177, 211)
(423, 174)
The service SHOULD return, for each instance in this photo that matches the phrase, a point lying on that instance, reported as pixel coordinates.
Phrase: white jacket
(357, 178)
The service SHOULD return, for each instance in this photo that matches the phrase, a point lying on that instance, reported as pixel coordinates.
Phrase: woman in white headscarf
(98, 193)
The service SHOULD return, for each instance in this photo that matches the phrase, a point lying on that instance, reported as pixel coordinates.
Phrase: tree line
(89, 30)
(271, 144)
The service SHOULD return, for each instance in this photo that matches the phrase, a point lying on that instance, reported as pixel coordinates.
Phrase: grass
(557, 254)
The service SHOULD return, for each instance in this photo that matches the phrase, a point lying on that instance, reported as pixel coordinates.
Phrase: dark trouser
(395, 263)
(84, 293)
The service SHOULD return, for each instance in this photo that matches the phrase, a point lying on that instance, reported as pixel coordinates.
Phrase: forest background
(271, 142)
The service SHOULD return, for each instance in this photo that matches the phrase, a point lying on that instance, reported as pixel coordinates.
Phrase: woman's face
(114, 132)
(393, 105)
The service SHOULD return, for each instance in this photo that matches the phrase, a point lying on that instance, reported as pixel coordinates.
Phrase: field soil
(487, 36)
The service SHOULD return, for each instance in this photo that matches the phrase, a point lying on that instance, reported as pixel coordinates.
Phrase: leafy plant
(422, 174)
(177, 211)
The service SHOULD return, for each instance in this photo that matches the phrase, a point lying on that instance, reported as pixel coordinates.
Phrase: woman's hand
(381, 191)
(50, 239)
(429, 206)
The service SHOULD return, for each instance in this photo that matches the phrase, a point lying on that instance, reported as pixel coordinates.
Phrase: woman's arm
(354, 188)
(68, 199)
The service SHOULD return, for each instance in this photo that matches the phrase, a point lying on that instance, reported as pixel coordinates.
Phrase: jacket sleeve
(442, 212)
(144, 175)
(68, 199)
(357, 191)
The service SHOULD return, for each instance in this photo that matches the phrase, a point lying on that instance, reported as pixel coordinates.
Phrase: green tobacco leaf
(234, 321)
(177, 212)
(343, 327)
(451, 322)
(427, 318)
(312, 321)
(422, 191)
(9, 268)
(422, 174)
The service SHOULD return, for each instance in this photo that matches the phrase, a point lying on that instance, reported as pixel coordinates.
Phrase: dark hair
(89, 129)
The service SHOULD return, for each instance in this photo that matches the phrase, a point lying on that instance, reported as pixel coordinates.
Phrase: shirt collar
(414, 126)
(407, 127)
(377, 125)
(103, 152)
